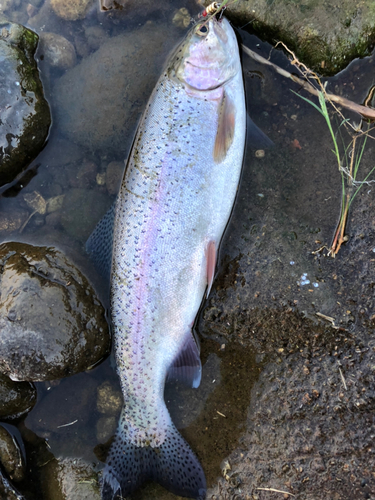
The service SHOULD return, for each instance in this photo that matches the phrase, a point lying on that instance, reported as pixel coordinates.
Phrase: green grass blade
(310, 102)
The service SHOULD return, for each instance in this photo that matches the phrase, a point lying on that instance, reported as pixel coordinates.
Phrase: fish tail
(173, 465)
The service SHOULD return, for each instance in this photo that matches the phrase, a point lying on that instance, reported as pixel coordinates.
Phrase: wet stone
(25, 124)
(10, 455)
(70, 479)
(16, 398)
(51, 322)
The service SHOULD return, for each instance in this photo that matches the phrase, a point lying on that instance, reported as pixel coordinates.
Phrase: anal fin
(187, 367)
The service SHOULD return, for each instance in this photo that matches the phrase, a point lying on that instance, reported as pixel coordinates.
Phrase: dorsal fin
(187, 367)
(225, 128)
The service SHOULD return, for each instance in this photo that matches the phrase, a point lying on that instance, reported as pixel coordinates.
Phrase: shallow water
(287, 207)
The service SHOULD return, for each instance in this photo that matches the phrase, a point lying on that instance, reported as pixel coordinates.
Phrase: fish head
(208, 57)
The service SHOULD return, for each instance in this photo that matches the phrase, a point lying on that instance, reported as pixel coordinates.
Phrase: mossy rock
(325, 35)
(25, 116)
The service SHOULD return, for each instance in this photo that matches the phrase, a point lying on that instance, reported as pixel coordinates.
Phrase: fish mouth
(200, 67)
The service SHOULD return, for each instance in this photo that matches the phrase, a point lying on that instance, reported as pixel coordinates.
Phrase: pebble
(12, 221)
(58, 52)
(109, 400)
(114, 173)
(181, 18)
(71, 10)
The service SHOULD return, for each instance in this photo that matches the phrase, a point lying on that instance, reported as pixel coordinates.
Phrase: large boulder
(325, 35)
(51, 322)
(24, 117)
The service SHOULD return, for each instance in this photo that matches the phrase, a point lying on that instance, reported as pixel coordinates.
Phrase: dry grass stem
(277, 491)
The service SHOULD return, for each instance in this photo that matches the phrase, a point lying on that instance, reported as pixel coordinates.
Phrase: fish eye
(202, 30)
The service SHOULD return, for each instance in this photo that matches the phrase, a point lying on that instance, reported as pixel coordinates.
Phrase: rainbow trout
(174, 204)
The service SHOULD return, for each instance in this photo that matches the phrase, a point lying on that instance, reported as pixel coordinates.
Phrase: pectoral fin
(211, 264)
(225, 128)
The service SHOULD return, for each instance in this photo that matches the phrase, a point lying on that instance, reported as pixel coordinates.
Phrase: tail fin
(173, 465)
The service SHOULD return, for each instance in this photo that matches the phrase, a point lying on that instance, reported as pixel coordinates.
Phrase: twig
(66, 425)
(327, 318)
(365, 112)
(343, 380)
(276, 491)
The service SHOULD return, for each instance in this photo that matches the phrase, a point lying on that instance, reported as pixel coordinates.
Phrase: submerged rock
(25, 116)
(71, 10)
(12, 220)
(16, 398)
(51, 322)
(70, 479)
(57, 51)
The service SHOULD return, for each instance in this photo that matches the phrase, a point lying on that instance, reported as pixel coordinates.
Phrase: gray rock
(51, 322)
(25, 116)
(16, 398)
